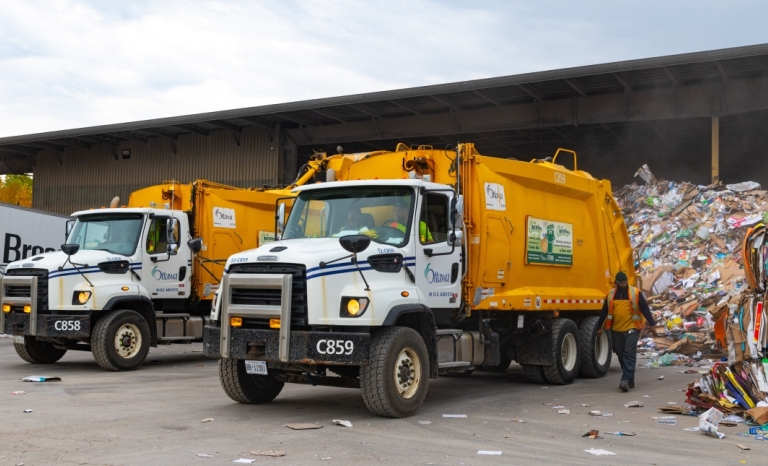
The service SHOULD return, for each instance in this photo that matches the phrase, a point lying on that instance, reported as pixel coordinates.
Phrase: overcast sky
(68, 64)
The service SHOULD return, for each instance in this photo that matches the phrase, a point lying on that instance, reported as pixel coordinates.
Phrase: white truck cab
(354, 256)
(114, 288)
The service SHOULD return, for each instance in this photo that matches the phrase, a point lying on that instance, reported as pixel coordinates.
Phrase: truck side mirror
(457, 212)
(195, 245)
(172, 231)
(355, 243)
(70, 249)
(280, 220)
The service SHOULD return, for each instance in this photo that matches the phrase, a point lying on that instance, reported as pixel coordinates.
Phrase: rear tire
(395, 382)
(595, 353)
(534, 373)
(120, 341)
(247, 388)
(565, 353)
(38, 352)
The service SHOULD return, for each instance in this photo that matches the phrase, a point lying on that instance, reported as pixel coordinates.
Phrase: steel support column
(715, 149)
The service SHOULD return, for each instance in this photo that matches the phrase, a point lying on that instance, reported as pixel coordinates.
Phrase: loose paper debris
(204, 455)
(27, 410)
(273, 453)
(599, 452)
(743, 447)
(341, 422)
(425, 422)
(18, 392)
(593, 434)
(303, 426)
(709, 421)
(563, 411)
(634, 404)
(244, 460)
(661, 377)
(41, 378)
(488, 452)
(519, 420)
(208, 419)
(595, 413)
(622, 434)
(457, 416)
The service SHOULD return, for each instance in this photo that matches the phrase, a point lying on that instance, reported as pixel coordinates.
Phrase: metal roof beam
(444, 102)
(45, 146)
(328, 115)
(131, 135)
(295, 119)
(623, 82)
(406, 106)
(484, 95)
(721, 69)
(160, 132)
(362, 110)
(531, 92)
(75, 143)
(258, 121)
(18, 150)
(225, 125)
(576, 86)
(671, 75)
(193, 129)
(100, 139)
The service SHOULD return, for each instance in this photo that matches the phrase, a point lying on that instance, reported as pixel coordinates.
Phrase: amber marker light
(6, 308)
(236, 321)
(28, 309)
(404, 294)
(274, 323)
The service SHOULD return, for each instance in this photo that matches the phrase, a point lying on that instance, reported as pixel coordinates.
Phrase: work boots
(624, 386)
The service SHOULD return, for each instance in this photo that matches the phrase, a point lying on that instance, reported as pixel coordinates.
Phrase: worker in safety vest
(623, 312)
(401, 220)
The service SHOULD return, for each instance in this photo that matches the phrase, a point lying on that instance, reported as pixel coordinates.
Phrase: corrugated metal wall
(92, 177)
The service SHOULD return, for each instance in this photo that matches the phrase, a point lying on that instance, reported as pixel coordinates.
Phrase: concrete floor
(152, 416)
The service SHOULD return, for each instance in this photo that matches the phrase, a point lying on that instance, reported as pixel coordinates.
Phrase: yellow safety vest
(634, 308)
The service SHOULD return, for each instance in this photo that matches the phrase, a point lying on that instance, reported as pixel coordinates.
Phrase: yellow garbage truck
(404, 266)
(135, 276)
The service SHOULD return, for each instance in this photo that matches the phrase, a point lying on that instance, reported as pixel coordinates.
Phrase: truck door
(438, 265)
(166, 276)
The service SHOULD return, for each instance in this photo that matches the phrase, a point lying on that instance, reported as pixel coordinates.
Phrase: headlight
(80, 297)
(353, 307)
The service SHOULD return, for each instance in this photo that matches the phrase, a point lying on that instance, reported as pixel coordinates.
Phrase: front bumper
(304, 347)
(46, 325)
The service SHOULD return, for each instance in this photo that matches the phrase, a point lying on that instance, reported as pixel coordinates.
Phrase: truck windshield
(115, 233)
(383, 212)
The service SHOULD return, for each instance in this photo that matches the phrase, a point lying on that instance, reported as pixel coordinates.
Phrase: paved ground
(152, 416)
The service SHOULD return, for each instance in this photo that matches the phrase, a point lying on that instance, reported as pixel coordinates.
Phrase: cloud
(68, 64)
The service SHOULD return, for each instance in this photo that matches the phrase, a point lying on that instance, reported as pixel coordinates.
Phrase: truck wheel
(247, 388)
(565, 353)
(595, 352)
(395, 382)
(120, 341)
(37, 351)
(534, 373)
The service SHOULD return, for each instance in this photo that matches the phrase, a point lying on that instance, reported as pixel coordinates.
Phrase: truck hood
(310, 252)
(51, 262)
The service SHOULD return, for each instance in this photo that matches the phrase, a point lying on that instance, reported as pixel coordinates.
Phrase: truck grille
(271, 297)
(23, 291)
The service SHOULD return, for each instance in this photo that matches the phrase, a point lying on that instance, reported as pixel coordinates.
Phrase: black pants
(625, 347)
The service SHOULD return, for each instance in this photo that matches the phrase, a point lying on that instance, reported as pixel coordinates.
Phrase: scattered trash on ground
(743, 447)
(18, 392)
(661, 377)
(709, 421)
(667, 422)
(425, 422)
(519, 420)
(563, 411)
(341, 422)
(27, 410)
(634, 404)
(41, 378)
(303, 426)
(595, 413)
(455, 416)
(325, 458)
(593, 434)
(244, 460)
(599, 452)
(584, 405)
(273, 453)
(204, 455)
(208, 419)
(489, 452)
(622, 434)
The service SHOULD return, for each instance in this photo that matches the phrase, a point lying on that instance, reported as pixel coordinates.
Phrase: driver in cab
(401, 220)
(356, 222)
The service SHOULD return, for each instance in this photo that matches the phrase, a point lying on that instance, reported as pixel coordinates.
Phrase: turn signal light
(236, 321)
(404, 294)
(6, 308)
(125, 288)
(274, 323)
(28, 309)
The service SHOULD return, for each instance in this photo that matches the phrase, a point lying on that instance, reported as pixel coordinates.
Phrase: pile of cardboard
(687, 241)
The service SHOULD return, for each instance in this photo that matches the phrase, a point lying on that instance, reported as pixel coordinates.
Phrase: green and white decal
(548, 243)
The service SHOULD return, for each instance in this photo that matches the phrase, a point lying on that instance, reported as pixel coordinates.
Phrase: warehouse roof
(389, 115)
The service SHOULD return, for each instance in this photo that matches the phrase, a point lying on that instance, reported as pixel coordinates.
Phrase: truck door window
(157, 238)
(434, 221)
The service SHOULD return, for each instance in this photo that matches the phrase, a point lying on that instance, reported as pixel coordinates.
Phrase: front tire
(595, 352)
(565, 353)
(120, 341)
(395, 382)
(37, 351)
(247, 388)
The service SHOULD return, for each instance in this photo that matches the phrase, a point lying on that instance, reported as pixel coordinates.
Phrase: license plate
(18, 339)
(256, 367)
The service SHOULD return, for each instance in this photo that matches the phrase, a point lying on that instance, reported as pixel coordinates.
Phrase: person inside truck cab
(358, 221)
(401, 220)
(157, 241)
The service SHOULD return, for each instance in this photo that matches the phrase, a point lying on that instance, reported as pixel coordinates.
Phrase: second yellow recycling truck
(423, 263)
